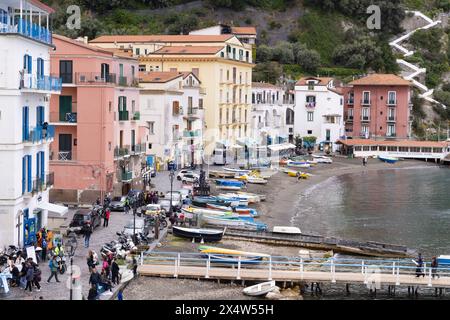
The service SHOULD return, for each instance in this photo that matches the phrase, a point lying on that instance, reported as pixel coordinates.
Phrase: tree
(264, 53)
(267, 72)
(308, 59)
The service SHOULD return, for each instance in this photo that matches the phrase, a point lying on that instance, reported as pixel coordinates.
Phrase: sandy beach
(282, 197)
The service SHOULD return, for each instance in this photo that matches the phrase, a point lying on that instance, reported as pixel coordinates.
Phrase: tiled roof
(42, 6)
(188, 50)
(244, 30)
(399, 143)
(158, 76)
(323, 81)
(120, 53)
(163, 38)
(378, 79)
(81, 44)
(264, 85)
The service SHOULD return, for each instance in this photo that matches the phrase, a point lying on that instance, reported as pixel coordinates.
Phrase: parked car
(165, 204)
(190, 178)
(182, 173)
(118, 203)
(152, 172)
(84, 216)
(140, 227)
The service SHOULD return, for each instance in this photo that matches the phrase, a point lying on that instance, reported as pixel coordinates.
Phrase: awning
(280, 147)
(61, 210)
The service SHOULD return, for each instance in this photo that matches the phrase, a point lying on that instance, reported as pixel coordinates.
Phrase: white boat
(234, 222)
(296, 164)
(228, 188)
(242, 197)
(256, 180)
(211, 212)
(237, 170)
(260, 289)
(286, 230)
(322, 159)
(261, 197)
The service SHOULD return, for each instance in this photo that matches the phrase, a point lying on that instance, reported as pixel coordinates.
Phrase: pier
(372, 273)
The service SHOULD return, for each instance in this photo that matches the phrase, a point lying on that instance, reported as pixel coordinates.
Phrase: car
(190, 178)
(176, 198)
(153, 209)
(85, 216)
(118, 203)
(182, 173)
(165, 204)
(140, 227)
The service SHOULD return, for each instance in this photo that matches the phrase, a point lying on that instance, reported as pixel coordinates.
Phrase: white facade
(319, 111)
(170, 111)
(25, 89)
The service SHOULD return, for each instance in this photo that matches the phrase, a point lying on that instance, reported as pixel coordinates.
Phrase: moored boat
(443, 259)
(220, 258)
(207, 235)
(298, 164)
(260, 289)
(215, 250)
(234, 222)
(388, 159)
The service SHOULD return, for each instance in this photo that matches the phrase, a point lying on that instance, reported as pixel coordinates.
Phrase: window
(221, 75)
(391, 130)
(358, 148)
(310, 85)
(403, 149)
(309, 131)
(392, 98)
(142, 67)
(366, 97)
(310, 115)
(374, 148)
(365, 130)
(382, 148)
(200, 103)
(133, 106)
(104, 69)
(133, 71)
(228, 75)
(25, 123)
(365, 114)
(414, 149)
(366, 148)
(391, 114)
(40, 68)
(437, 150)
(66, 71)
(26, 174)
(426, 150)
(138, 51)
(392, 148)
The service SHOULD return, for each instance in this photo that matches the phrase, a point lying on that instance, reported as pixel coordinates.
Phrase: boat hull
(207, 235)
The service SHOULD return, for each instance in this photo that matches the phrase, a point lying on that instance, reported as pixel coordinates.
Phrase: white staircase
(416, 71)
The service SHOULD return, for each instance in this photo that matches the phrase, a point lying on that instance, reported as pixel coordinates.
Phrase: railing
(310, 104)
(127, 176)
(25, 28)
(391, 135)
(38, 134)
(370, 272)
(392, 103)
(138, 149)
(42, 83)
(192, 111)
(366, 102)
(191, 133)
(120, 152)
(391, 118)
(365, 118)
(65, 155)
(123, 81)
(71, 117)
(123, 115)
(95, 78)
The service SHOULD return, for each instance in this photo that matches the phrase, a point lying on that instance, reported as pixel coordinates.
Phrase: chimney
(86, 40)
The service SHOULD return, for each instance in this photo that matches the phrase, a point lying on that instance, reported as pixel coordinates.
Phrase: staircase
(416, 71)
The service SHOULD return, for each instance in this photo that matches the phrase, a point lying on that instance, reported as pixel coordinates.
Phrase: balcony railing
(366, 102)
(95, 78)
(310, 104)
(71, 117)
(392, 103)
(138, 149)
(365, 118)
(191, 133)
(65, 155)
(25, 28)
(127, 176)
(123, 81)
(391, 135)
(38, 185)
(50, 179)
(391, 118)
(349, 118)
(41, 83)
(123, 115)
(120, 152)
(39, 134)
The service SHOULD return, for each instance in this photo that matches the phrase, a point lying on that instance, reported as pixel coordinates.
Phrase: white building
(172, 110)
(319, 111)
(25, 89)
(245, 34)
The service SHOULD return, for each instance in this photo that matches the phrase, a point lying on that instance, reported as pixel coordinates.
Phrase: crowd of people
(25, 274)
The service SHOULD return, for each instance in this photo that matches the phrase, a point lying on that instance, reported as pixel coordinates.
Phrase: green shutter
(65, 106)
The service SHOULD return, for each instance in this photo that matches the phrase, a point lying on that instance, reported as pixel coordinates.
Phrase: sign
(31, 253)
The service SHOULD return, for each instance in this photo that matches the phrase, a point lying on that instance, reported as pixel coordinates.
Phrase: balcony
(95, 78)
(191, 133)
(349, 118)
(138, 149)
(310, 105)
(123, 81)
(25, 28)
(392, 103)
(366, 102)
(391, 119)
(127, 176)
(192, 113)
(39, 134)
(30, 81)
(350, 101)
(391, 135)
(123, 116)
(365, 118)
(38, 185)
(121, 152)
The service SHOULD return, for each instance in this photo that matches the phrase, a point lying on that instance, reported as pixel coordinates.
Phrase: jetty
(318, 242)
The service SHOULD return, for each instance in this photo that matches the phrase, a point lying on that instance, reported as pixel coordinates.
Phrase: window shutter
(29, 172)
(24, 165)
(176, 107)
(30, 65)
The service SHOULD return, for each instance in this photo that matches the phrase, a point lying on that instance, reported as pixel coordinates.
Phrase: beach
(283, 194)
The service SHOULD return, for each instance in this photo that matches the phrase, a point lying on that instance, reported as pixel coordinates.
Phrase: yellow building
(222, 63)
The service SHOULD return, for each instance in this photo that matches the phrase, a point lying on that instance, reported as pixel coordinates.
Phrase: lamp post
(171, 176)
(73, 244)
(134, 203)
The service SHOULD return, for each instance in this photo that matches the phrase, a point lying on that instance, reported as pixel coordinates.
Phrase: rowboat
(215, 250)
(298, 164)
(255, 180)
(302, 175)
(241, 197)
(219, 258)
(219, 213)
(238, 209)
(237, 170)
(388, 159)
(207, 235)
(234, 222)
(231, 188)
(322, 159)
(221, 174)
(203, 201)
(286, 230)
(260, 289)
(231, 197)
(262, 197)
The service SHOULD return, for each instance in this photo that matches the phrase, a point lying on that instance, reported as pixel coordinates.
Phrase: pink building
(97, 146)
(378, 107)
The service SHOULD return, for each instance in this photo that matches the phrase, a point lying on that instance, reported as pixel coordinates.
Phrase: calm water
(402, 206)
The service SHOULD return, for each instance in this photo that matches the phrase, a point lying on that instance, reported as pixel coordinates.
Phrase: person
(94, 278)
(58, 251)
(120, 295)
(419, 263)
(93, 293)
(23, 275)
(53, 265)
(134, 267)
(29, 276)
(15, 273)
(106, 217)
(434, 267)
(105, 282)
(364, 161)
(126, 205)
(98, 202)
(105, 266)
(87, 234)
(44, 249)
(173, 219)
(114, 271)
(37, 277)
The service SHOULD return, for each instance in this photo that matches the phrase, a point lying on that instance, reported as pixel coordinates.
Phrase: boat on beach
(262, 197)
(443, 259)
(298, 164)
(243, 198)
(242, 171)
(215, 250)
(232, 259)
(260, 289)
(322, 159)
(238, 209)
(207, 235)
(388, 159)
(234, 222)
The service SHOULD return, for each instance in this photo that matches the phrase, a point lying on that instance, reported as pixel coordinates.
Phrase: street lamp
(134, 203)
(171, 176)
(73, 244)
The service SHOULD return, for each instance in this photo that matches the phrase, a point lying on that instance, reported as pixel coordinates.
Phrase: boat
(220, 174)
(322, 159)
(232, 259)
(231, 183)
(241, 197)
(286, 230)
(231, 188)
(260, 289)
(232, 197)
(238, 209)
(298, 164)
(303, 175)
(203, 201)
(237, 170)
(219, 213)
(207, 235)
(262, 197)
(234, 222)
(388, 159)
(443, 259)
(255, 180)
(215, 250)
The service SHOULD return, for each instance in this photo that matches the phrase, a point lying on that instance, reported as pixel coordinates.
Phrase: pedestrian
(23, 275)
(419, 263)
(87, 234)
(434, 267)
(120, 295)
(93, 293)
(53, 265)
(37, 277)
(15, 273)
(126, 205)
(44, 249)
(90, 260)
(94, 278)
(29, 277)
(114, 272)
(364, 161)
(105, 266)
(98, 202)
(135, 267)
(106, 217)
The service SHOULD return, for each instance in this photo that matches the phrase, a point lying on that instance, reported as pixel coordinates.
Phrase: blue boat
(388, 159)
(442, 259)
(229, 183)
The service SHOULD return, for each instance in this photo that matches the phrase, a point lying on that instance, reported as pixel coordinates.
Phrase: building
(244, 34)
(25, 90)
(222, 63)
(172, 109)
(319, 111)
(378, 107)
(272, 115)
(98, 147)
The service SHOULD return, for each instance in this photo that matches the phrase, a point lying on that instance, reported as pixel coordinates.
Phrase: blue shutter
(30, 64)
(25, 61)
(43, 166)
(38, 164)
(24, 165)
(29, 173)
(25, 126)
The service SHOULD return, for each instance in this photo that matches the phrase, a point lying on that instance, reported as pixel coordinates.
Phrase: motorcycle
(62, 267)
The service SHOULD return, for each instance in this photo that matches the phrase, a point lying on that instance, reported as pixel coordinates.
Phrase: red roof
(264, 85)
(323, 81)
(162, 38)
(42, 6)
(158, 76)
(378, 79)
(244, 30)
(188, 50)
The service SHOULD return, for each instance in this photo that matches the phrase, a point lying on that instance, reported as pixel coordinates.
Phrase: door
(133, 140)
(66, 71)
(65, 107)
(105, 72)
(65, 147)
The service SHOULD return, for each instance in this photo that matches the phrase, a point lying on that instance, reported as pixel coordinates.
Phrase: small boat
(238, 209)
(286, 230)
(207, 235)
(322, 159)
(220, 174)
(302, 175)
(195, 210)
(203, 201)
(261, 197)
(260, 289)
(443, 259)
(231, 183)
(231, 188)
(234, 222)
(232, 259)
(388, 159)
(298, 164)
(215, 250)
(237, 170)
(244, 199)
